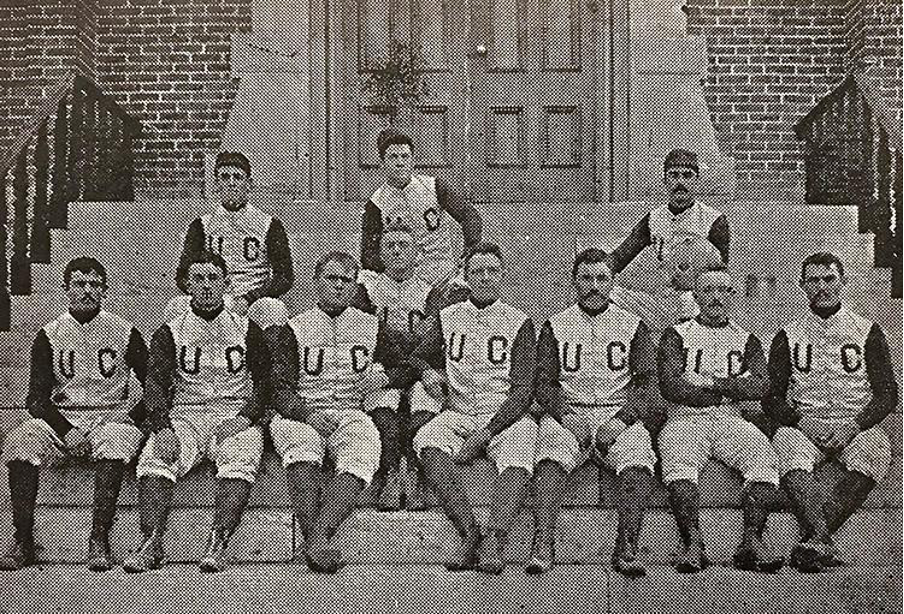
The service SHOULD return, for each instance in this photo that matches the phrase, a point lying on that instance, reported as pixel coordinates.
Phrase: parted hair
(591, 255)
(826, 259)
(484, 247)
(343, 258)
(205, 256)
(86, 265)
(392, 136)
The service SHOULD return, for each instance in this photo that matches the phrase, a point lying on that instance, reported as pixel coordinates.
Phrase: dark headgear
(681, 157)
(232, 158)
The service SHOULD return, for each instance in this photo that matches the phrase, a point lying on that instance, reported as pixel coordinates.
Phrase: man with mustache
(833, 383)
(78, 397)
(708, 368)
(425, 204)
(683, 219)
(595, 365)
(253, 244)
(208, 387)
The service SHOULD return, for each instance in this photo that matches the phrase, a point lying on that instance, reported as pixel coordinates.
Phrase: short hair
(826, 259)
(392, 136)
(591, 255)
(484, 247)
(343, 258)
(397, 226)
(232, 158)
(204, 256)
(712, 267)
(86, 265)
(681, 157)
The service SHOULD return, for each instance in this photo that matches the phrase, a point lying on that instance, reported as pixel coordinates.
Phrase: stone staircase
(139, 242)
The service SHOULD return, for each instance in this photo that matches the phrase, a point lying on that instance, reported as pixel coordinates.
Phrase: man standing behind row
(422, 203)
(253, 244)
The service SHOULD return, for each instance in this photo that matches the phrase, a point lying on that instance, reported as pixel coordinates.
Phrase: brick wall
(873, 37)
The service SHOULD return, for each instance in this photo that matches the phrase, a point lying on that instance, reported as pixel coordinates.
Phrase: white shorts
(236, 457)
(513, 447)
(418, 399)
(869, 452)
(349, 436)
(687, 442)
(110, 431)
(264, 312)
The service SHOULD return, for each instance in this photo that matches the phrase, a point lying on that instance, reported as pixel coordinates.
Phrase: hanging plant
(395, 82)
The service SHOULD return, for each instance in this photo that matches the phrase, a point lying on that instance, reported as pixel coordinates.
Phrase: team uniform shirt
(402, 309)
(425, 206)
(254, 246)
(76, 366)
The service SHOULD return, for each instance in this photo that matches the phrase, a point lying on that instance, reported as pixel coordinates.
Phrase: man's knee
(28, 442)
(116, 441)
(296, 442)
(268, 311)
(869, 453)
(239, 456)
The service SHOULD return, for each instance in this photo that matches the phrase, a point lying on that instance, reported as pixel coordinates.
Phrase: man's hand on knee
(76, 441)
(433, 382)
(166, 446)
(815, 429)
(474, 445)
(372, 382)
(232, 427)
(607, 434)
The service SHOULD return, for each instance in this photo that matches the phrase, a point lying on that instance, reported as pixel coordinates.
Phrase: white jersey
(668, 229)
(89, 360)
(417, 207)
(828, 366)
(240, 237)
(334, 354)
(211, 359)
(401, 306)
(478, 357)
(594, 354)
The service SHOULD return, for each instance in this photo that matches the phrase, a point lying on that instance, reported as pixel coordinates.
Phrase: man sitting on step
(253, 244)
(483, 351)
(707, 368)
(833, 383)
(326, 368)
(406, 306)
(78, 397)
(596, 365)
(208, 386)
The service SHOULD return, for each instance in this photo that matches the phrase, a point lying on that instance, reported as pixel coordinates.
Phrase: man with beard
(595, 365)
(681, 221)
(707, 368)
(78, 394)
(833, 383)
(253, 244)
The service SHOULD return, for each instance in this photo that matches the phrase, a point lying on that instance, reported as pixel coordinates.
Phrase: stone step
(390, 589)
(583, 536)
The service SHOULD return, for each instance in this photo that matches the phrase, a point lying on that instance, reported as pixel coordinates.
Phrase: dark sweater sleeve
(40, 386)
(137, 360)
(260, 365)
(523, 362)
(670, 365)
(755, 385)
(282, 272)
(371, 230)
(429, 354)
(882, 382)
(362, 300)
(641, 399)
(720, 236)
(633, 244)
(547, 387)
(194, 244)
(776, 405)
(158, 389)
(462, 212)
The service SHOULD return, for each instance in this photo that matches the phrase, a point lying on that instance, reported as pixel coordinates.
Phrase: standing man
(208, 386)
(78, 397)
(253, 244)
(595, 365)
(707, 367)
(424, 204)
(326, 365)
(682, 220)
(483, 351)
(406, 307)
(832, 385)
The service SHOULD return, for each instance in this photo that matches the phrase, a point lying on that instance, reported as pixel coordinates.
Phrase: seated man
(253, 244)
(424, 204)
(208, 385)
(833, 383)
(707, 367)
(595, 365)
(406, 306)
(78, 396)
(324, 368)
(487, 350)
(668, 229)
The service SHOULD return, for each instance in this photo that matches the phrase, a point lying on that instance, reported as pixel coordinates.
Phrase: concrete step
(389, 589)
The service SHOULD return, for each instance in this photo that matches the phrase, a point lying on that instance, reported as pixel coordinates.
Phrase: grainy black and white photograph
(451, 306)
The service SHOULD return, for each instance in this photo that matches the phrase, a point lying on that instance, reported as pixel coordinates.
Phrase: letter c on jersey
(850, 357)
(431, 218)
(106, 362)
(359, 358)
(610, 355)
(496, 347)
(251, 249)
(235, 358)
(736, 363)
